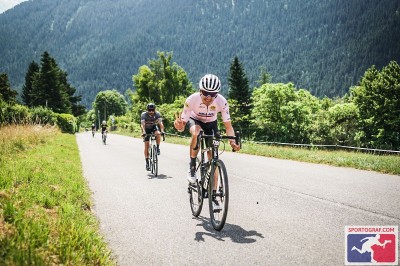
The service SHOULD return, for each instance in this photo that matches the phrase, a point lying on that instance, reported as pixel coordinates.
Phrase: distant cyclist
(103, 127)
(200, 113)
(151, 121)
(93, 128)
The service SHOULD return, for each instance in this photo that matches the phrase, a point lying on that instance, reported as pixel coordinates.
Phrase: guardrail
(378, 151)
(328, 146)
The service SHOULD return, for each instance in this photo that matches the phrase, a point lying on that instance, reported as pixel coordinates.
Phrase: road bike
(93, 133)
(104, 137)
(153, 155)
(212, 182)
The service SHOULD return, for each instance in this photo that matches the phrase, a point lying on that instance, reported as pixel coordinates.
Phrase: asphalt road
(281, 212)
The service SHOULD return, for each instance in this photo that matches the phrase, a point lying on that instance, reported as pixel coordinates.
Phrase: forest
(323, 47)
(368, 116)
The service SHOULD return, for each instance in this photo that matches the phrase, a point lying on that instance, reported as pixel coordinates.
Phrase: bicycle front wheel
(218, 191)
(195, 198)
(154, 168)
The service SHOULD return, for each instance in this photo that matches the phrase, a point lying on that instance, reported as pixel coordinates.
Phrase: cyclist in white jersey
(200, 113)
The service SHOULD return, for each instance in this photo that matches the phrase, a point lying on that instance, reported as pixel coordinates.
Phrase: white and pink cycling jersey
(196, 109)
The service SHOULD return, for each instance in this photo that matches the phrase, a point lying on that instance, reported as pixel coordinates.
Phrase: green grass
(45, 204)
(389, 164)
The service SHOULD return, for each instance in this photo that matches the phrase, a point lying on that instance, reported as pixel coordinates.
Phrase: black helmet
(151, 106)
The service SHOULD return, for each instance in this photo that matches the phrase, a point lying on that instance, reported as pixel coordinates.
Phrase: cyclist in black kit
(93, 129)
(103, 127)
(151, 121)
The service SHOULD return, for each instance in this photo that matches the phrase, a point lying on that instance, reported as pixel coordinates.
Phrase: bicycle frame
(152, 150)
(216, 140)
(213, 183)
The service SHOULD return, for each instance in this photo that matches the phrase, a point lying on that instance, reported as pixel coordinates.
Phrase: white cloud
(7, 4)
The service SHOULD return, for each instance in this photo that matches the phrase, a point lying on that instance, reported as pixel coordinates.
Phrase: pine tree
(50, 88)
(264, 77)
(378, 100)
(33, 69)
(239, 93)
(6, 93)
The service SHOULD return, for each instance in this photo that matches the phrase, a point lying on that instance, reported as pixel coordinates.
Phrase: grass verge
(45, 203)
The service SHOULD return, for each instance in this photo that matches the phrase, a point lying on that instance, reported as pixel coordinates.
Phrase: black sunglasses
(150, 110)
(211, 94)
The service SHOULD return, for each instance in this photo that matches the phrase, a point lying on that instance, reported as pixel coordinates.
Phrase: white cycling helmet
(210, 83)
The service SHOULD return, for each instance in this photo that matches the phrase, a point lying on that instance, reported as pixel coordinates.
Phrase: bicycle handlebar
(152, 134)
(237, 138)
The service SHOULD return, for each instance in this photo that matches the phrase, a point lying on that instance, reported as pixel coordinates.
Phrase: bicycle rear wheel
(218, 191)
(154, 169)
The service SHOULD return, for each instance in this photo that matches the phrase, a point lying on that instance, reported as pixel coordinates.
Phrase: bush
(42, 115)
(13, 114)
(67, 123)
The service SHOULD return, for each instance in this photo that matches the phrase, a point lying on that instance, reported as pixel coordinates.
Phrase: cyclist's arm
(159, 121)
(229, 129)
(143, 126)
(183, 117)
(161, 126)
(231, 132)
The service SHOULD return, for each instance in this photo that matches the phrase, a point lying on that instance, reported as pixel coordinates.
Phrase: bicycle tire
(155, 161)
(195, 198)
(151, 159)
(104, 138)
(218, 218)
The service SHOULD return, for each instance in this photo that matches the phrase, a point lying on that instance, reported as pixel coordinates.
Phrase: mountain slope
(323, 46)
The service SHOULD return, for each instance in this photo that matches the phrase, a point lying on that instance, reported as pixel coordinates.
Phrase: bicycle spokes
(195, 198)
(218, 195)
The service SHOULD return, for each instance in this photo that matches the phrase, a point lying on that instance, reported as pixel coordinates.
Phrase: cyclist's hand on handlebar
(179, 123)
(235, 147)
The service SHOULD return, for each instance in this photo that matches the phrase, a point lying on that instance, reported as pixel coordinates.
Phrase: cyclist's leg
(158, 138)
(158, 135)
(194, 129)
(146, 148)
(209, 129)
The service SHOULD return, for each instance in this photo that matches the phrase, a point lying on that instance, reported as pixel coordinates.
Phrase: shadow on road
(230, 231)
(151, 176)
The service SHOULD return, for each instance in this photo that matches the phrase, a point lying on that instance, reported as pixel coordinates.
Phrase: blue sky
(7, 4)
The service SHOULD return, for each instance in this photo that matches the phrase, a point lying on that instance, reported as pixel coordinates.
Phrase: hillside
(324, 46)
